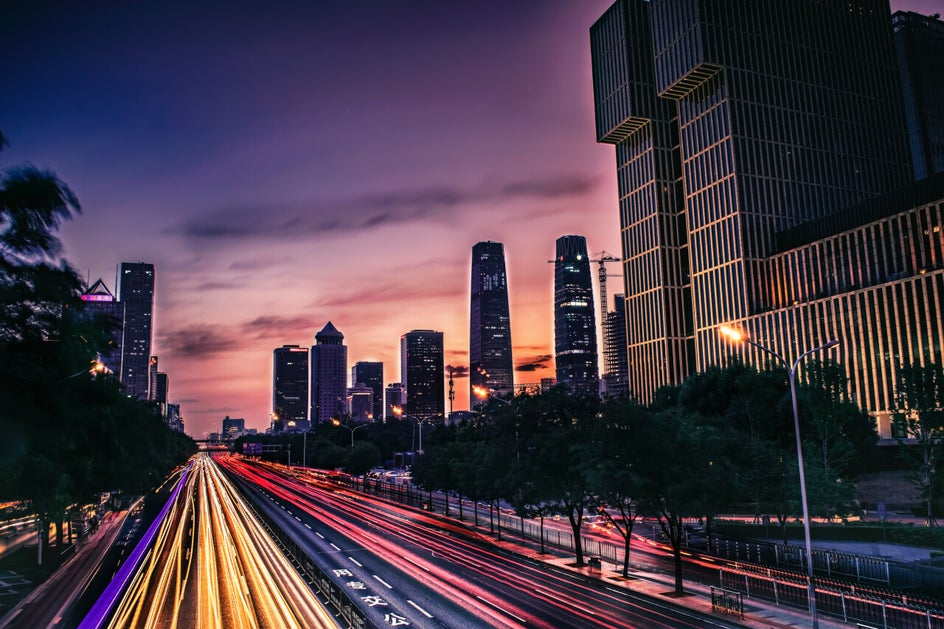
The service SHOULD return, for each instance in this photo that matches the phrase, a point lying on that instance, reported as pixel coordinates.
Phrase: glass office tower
(490, 361)
(733, 122)
(575, 327)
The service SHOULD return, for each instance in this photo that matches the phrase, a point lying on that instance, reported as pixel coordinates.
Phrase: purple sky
(285, 164)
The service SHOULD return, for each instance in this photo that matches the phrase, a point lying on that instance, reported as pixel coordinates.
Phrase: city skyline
(274, 187)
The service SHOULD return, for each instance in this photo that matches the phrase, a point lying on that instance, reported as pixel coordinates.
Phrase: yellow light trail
(214, 566)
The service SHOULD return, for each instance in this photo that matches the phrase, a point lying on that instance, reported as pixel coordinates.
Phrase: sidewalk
(758, 613)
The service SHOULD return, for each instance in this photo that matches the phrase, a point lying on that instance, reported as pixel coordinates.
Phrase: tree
(611, 463)
(919, 413)
(676, 479)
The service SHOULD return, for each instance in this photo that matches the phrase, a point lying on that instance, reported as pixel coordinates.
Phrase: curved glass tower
(575, 327)
(490, 363)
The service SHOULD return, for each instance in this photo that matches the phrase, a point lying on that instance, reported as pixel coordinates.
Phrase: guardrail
(727, 601)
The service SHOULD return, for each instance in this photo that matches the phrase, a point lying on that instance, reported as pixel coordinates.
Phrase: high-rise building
(615, 376)
(575, 327)
(919, 48)
(371, 374)
(233, 427)
(136, 292)
(328, 375)
(734, 122)
(422, 374)
(490, 362)
(394, 399)
(289, 386)
(360, 402)
(98, 301)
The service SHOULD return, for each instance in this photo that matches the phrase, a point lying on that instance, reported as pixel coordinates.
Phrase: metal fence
(862, 605)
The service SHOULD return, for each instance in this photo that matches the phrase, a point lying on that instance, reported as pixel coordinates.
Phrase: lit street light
(398, 411)
(488, 394)
(337, 422)
(739, 337)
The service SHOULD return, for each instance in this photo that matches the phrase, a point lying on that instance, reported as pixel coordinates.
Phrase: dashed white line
(419, 609)
(308, 526)
(382, 582)
(504, 611)
(356, 562)
(422, 567)
(298, 518)
(334, 547)
(319, 535)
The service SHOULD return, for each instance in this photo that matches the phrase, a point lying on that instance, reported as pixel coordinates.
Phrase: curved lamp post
(488, 394)
(398, 411)
(737, 336)
(353, 429)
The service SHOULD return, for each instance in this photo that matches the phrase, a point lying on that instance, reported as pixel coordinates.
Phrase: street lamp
(488, 394)
(337, 422)
(737, 336)
(96, 368)
(398, 411)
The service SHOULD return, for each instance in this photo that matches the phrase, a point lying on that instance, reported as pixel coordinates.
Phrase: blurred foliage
(67, 433)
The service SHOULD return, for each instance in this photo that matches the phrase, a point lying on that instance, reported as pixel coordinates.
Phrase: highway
(211, 565)
(424, 567)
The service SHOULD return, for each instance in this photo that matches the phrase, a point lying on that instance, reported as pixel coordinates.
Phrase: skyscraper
(98, 301)
(733, 122)
(328, 375)
(394, 397)
(371, 374)
(575, 327)
(919, 47)
(136, 292)
(490, 361)
(289, 386)
(615, 377)
(360, 403)
(422, 373)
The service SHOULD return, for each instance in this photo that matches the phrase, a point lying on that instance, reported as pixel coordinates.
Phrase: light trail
(212, 565)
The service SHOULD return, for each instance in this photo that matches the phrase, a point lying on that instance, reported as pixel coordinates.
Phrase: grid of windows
(490, 358)
(760, 117)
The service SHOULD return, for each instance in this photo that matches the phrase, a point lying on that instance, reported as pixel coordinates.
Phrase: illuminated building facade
(422, 374)
(136, 292)
(919, 48)
(371, 374)
(615, 374)
(575, 327)
(360, 403)
(98, 301)
(394, 398)
(490, 359)
(734, 122)
(328, 383)
(289, 386)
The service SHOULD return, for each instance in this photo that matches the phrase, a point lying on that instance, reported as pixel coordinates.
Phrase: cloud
(458, 371)
(199, 340)
(534, 363)
(322, 218)
(268, 326)
(390, 293)
(217, 286)
(256, 264)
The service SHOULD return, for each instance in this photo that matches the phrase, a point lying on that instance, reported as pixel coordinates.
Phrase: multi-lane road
(403, 566)
(209, 563)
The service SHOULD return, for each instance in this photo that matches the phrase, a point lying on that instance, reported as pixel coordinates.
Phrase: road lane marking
(388, 586)
(333, 546)
(356, 562)
(308, 526)
(298, 518)
(319, 535)
(415, 563)
(419, 609)
(504, 611)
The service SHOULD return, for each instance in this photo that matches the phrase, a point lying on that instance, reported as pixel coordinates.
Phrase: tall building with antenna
(575, 328)
(490, 360)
